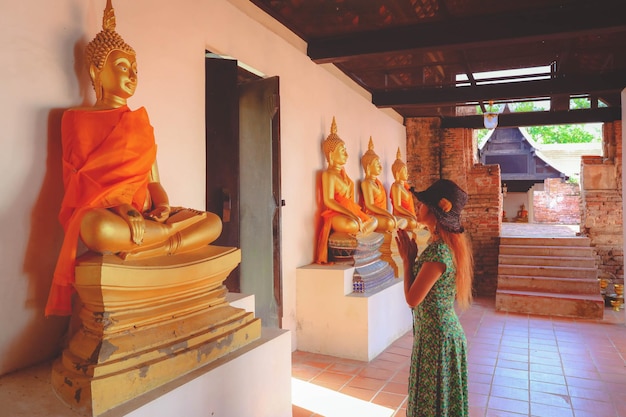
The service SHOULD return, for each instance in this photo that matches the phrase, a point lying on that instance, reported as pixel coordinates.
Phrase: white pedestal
(252, 381)
(334, 321)
(239, 300)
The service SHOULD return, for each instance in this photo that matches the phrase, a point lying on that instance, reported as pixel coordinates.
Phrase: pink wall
(41, 72)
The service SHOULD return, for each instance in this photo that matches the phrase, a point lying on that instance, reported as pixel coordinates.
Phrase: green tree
(585, 133)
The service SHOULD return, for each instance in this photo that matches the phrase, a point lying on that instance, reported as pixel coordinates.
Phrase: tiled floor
(519, 365)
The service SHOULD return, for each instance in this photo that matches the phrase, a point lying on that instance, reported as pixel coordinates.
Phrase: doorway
(243, 178)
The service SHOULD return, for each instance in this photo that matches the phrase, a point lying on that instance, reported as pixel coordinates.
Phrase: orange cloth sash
(407, 201)
(327, 216)
(380, 200)
(107, 159)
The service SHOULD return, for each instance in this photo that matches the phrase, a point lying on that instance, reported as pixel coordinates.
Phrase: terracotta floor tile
(539, 410)
(556, 400)
(507, 381)
(547, 368)
(591, 394)
(344, 368)
(332, 380)
(396, 388)
(301, 412)
(510, 392)
(538, 386)
(377, 373)
(389, 399)
(598, 407)
(366, 383)
(510, 405)
(507, 364)
(360, 393)
(479, 388)
(519, 366)
(547, 377)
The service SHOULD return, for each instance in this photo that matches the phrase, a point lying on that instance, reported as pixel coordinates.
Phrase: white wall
(42, 73)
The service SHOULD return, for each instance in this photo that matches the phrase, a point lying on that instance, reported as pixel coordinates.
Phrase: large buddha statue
(113, 199)
(341, 212)
(374, 193)
(401, 196)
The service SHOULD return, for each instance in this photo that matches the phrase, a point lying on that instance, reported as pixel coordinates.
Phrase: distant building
(525, 165)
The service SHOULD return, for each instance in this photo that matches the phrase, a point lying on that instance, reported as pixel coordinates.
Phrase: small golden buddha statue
(341, 212)
(401, 197)
(374, 193)
(113, 199)
(522, 214)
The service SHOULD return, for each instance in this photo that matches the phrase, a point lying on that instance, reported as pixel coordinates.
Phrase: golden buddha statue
(342, 213)
(522, 215)
(401, 197)
(113, 199)
(374, 193)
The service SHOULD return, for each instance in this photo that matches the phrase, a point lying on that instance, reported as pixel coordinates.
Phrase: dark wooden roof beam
(583, 18)
(598, 115)
(505, 91)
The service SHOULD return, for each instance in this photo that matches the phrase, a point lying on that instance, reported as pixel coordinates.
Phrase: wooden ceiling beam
(595, 85)
(541, 118)
(581, 18)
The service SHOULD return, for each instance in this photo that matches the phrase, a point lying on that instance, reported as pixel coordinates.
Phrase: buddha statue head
(370, 161)
(398, 168)
(98, 51)
(333, 145)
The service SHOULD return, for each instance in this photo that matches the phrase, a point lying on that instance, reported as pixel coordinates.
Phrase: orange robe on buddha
(380, 200)
(407, 201)
(327, 216)
(107, 160)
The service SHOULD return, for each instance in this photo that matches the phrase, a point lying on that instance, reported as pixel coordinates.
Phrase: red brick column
(434, 153)
(601, 217)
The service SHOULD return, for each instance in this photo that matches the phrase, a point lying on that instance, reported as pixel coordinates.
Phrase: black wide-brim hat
(446, 200)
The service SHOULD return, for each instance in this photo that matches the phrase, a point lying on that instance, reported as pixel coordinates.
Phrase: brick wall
(559, 202)
(434, 153)
(601, 214)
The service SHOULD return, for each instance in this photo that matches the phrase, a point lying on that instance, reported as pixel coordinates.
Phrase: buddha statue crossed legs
(342, 214)
(113, 198)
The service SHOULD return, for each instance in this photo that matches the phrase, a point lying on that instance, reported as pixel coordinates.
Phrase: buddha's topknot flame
(332, 140)
(97, 51)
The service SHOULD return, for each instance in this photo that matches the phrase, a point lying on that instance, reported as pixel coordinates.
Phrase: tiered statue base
(145, 323)
(370, 271)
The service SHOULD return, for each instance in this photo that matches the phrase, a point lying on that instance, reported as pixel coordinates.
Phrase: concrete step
(548, 271)
(562, 251)
(564, 305)
(570, 261)
(546, 241)
(549, 284)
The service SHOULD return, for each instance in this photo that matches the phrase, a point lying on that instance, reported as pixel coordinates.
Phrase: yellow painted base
(144, 324)
(389, 250)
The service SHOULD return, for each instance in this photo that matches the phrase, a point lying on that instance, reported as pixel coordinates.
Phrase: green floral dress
(438, 375)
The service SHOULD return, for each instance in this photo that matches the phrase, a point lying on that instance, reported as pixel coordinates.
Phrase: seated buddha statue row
(343, 214)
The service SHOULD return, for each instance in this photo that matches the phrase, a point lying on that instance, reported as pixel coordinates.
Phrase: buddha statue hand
(160, 213)
(134, 219)
(368, 226)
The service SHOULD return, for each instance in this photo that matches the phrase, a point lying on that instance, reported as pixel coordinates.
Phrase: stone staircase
(548, 276)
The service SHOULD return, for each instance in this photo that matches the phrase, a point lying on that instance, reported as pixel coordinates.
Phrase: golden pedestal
(389, 252)
(145, 323)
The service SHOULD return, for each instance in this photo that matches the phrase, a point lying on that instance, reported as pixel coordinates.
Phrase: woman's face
(118, 77)
(424, 215)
